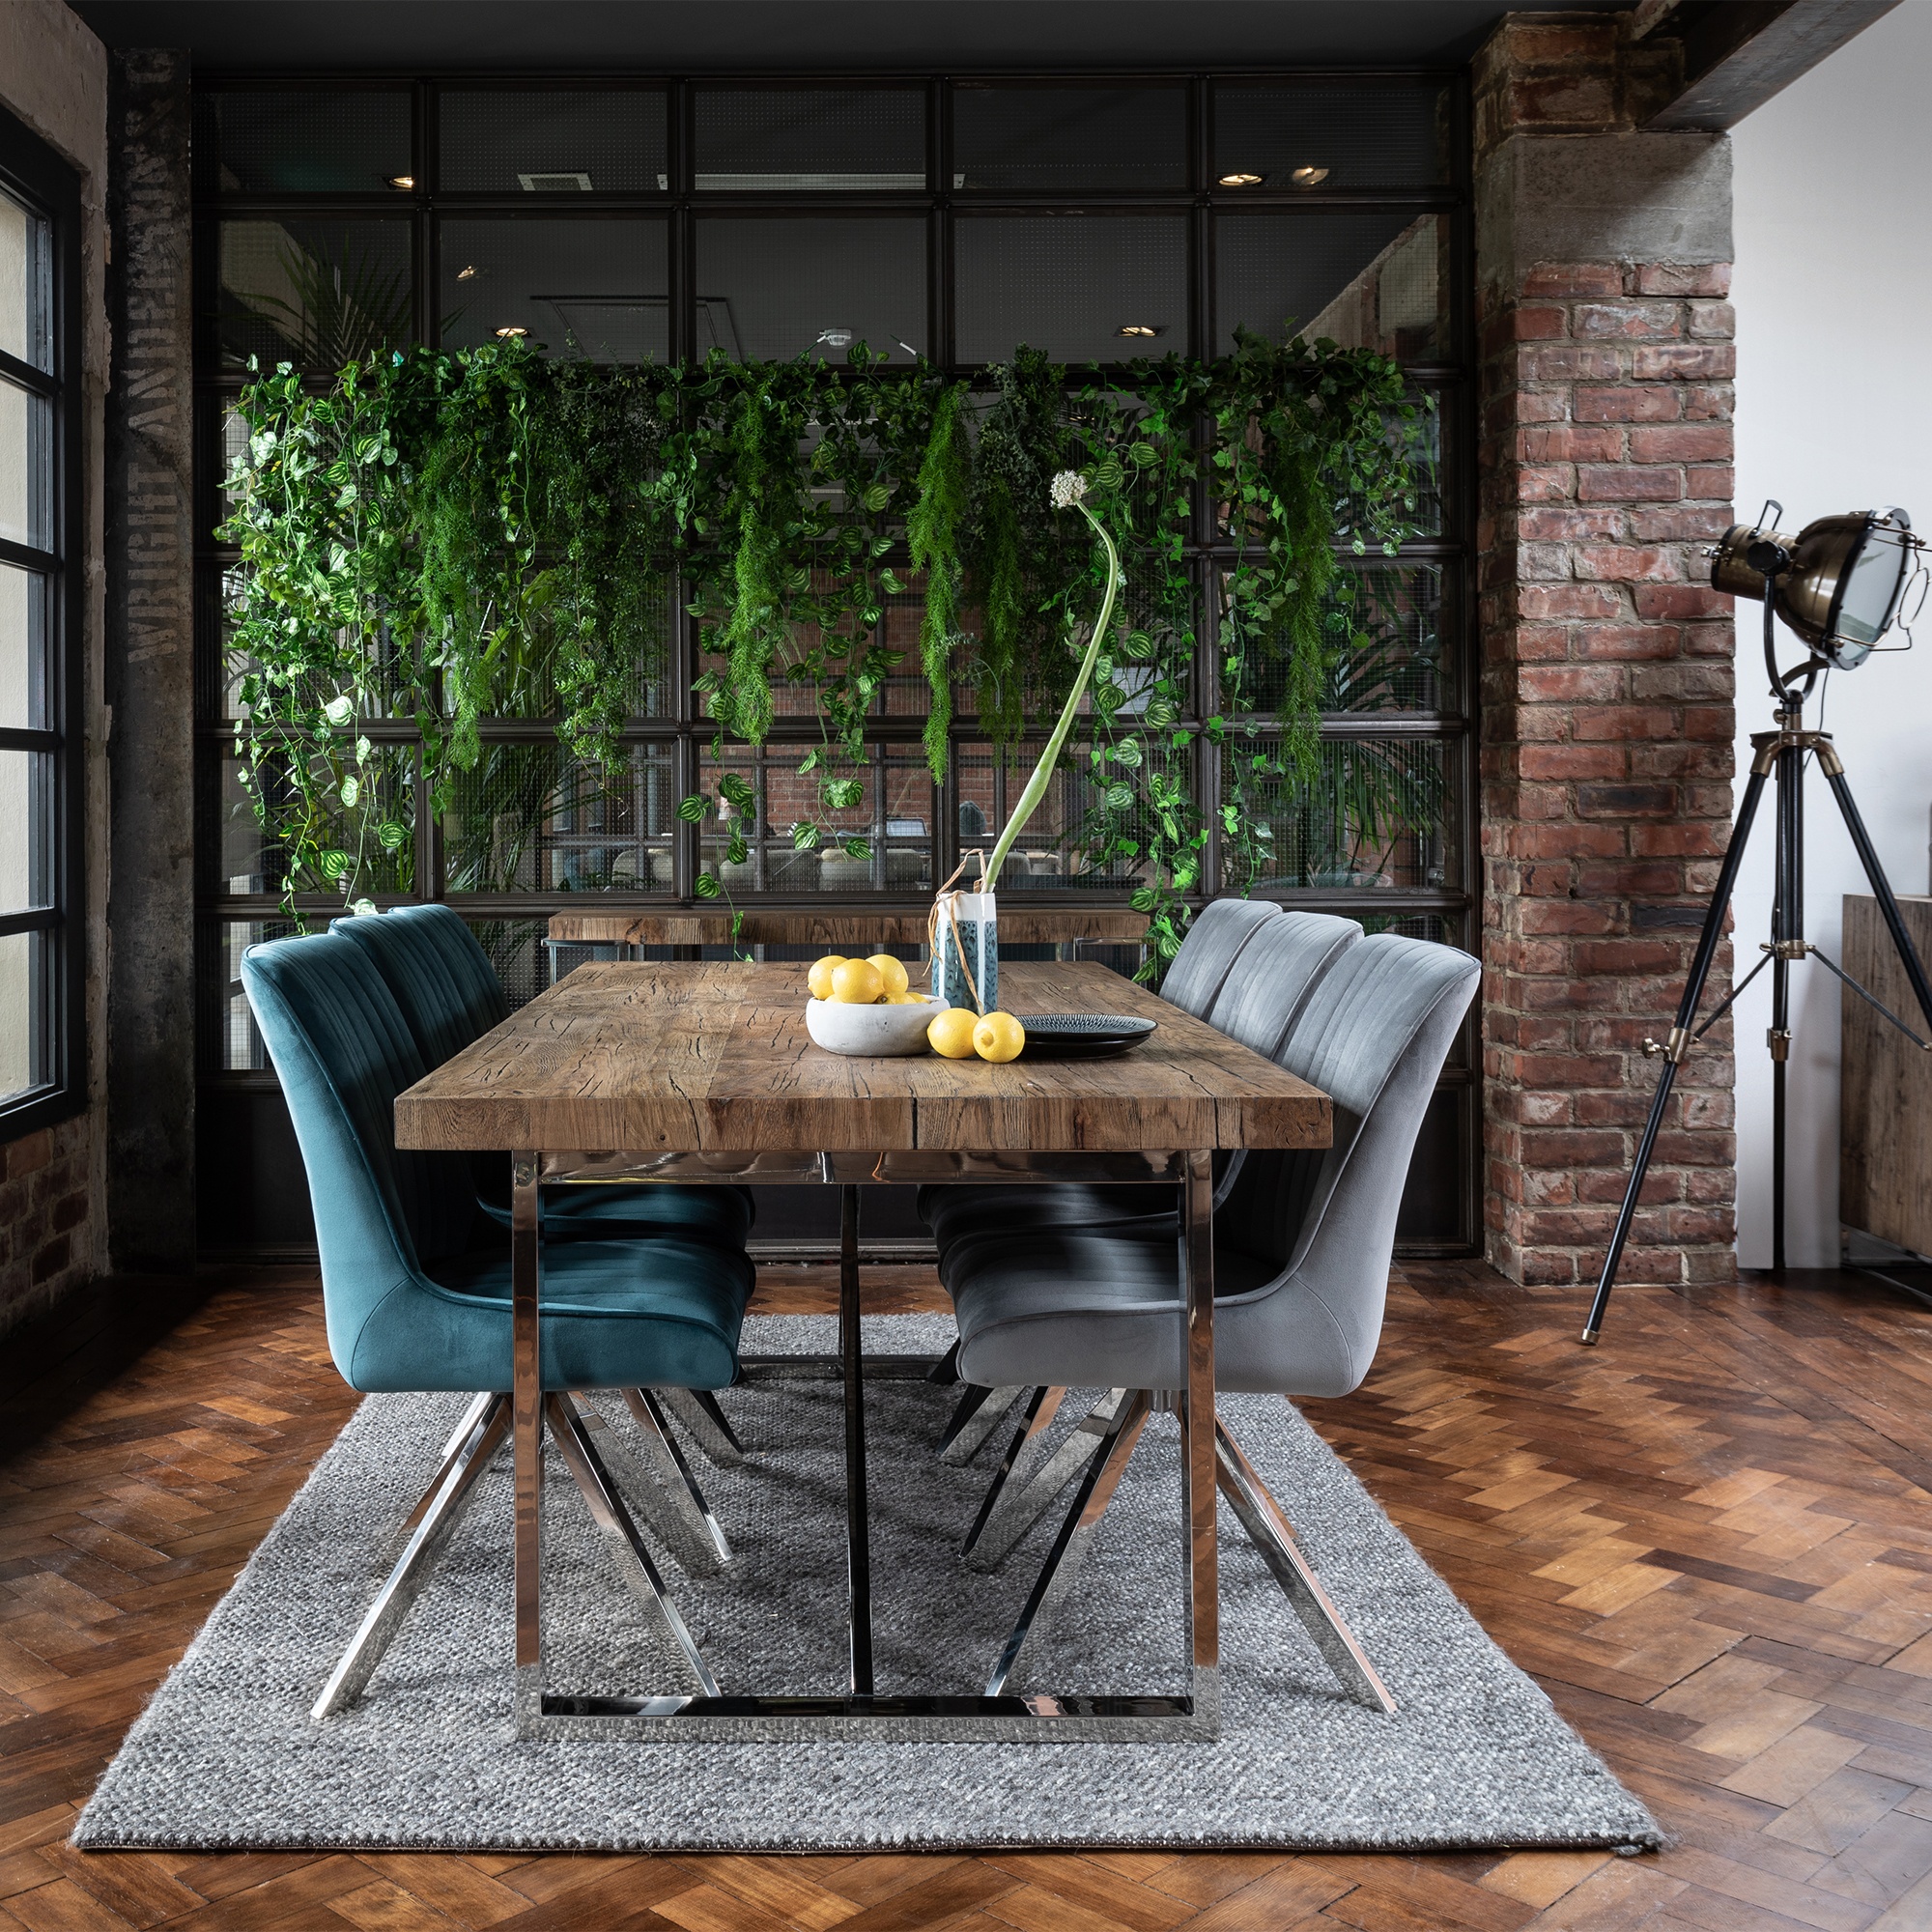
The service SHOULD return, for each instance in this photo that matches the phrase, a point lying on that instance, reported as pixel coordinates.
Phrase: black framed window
(656, 217)
(43, 1056)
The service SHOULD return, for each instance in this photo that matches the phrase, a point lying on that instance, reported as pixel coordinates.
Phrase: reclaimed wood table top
(714, 1057)
(1019, 925)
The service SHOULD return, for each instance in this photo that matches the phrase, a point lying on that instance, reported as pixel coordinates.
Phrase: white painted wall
(1834, 293)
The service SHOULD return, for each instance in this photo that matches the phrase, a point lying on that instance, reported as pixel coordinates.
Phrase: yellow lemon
(952, 1033)
(905, 1000)
(819, 979)
(856, 982)
(999, 1037)
(891, 970)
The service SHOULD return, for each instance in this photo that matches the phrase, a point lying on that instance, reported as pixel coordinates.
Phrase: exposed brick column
(1605, 451)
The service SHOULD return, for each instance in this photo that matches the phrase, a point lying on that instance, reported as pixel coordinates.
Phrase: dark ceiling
(842, 36)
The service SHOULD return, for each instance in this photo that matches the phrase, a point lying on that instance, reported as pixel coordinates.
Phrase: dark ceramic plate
(1081, 1036)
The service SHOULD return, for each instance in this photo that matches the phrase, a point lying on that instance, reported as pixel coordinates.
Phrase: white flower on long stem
(1069, 487)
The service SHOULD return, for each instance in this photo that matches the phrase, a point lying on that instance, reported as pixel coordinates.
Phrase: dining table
(703, 1073)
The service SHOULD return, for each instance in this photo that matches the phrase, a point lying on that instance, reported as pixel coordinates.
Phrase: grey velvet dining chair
(415, 1302)
(1263, 994)
(1302, 1244)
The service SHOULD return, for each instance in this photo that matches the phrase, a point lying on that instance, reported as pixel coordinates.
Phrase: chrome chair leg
(645, 1478)
(697, 1522)
(1020, 1508)
(974, 1419)
(705, 1423)
(452, 1452)
(488, 1420)
(1036, 1419)
(627, 1548)
(1070, 1547)
(1261, 1516)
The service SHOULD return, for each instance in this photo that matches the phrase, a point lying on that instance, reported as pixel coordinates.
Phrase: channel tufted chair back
(438, 974)
(1221, 928)
(344, 1052)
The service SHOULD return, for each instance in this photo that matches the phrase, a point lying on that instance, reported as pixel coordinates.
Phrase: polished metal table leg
(526, 1372)
(1197, 1431)
(857, 1523)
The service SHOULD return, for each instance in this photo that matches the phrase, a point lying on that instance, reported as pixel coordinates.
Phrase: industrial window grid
(673, 737)
(42, 723)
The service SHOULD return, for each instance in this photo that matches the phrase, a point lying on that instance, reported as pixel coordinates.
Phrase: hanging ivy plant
(445, 538)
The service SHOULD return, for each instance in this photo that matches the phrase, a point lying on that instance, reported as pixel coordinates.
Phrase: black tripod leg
(1679, 1045)
(1908, 953)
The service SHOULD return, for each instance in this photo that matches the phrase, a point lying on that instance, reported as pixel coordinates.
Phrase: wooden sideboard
(1884, 1105)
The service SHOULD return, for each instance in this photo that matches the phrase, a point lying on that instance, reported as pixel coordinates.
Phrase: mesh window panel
(239, 1045)
(769, 289)
(300, 141)
(559, 141)
(517, 950)
(373, 843)
(1378, 812)
(318, 294)
(1362, 134)
(891, 816)
(24, 596)
(1022, 140)
(1072, 842)
(26, 466)
(811, 140)
(1384, 625)
(529, 817)
(1071, 285)
(1365, 277)
(592, 288)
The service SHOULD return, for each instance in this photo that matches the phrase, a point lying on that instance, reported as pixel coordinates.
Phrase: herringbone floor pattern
(1710, 1539)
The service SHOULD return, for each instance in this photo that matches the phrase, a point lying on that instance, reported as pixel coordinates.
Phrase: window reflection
(592, 288)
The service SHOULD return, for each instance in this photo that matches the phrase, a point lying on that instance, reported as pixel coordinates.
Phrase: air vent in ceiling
(556, 183)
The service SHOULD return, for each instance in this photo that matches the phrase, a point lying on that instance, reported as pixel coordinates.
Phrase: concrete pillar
(1604, 452)
(150, 688)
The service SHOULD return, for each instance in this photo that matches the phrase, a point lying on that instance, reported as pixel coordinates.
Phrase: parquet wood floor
(1709, 1539)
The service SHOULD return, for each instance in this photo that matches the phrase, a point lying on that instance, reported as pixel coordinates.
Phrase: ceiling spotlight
(510, 333)
(402, 181)
(1241, 180)
(468, 274)
(1309, 177)
(1146, 329)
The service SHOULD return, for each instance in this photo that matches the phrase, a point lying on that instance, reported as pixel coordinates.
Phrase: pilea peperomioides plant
(448, 538)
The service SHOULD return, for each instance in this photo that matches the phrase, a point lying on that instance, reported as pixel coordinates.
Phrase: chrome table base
(861, 1714)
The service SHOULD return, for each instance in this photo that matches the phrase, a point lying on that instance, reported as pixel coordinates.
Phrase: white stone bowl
(877, 1032)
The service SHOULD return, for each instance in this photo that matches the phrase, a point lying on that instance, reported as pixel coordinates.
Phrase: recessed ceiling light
(1241, 180)
(509, 332)
(468, 274)
(1137, 328)
(402, 181)
(1308, 177)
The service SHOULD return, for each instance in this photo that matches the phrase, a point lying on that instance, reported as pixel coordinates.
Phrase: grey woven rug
(225, 1755)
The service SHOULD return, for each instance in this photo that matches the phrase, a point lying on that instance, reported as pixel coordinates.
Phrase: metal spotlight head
(1837, 584)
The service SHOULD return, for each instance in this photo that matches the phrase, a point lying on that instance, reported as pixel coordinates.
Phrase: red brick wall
(45, 1247)
(1605, 453)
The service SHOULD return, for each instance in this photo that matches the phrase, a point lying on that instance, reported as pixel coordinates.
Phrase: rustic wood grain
(1884, 1105)
(715, 1058)
(1762, 1451)
(1019, 925)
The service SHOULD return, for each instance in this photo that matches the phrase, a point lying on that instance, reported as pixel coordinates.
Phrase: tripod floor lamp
(1838, 586)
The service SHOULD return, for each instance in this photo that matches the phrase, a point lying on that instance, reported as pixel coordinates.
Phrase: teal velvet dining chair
(450, 997)
(416, 1287)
